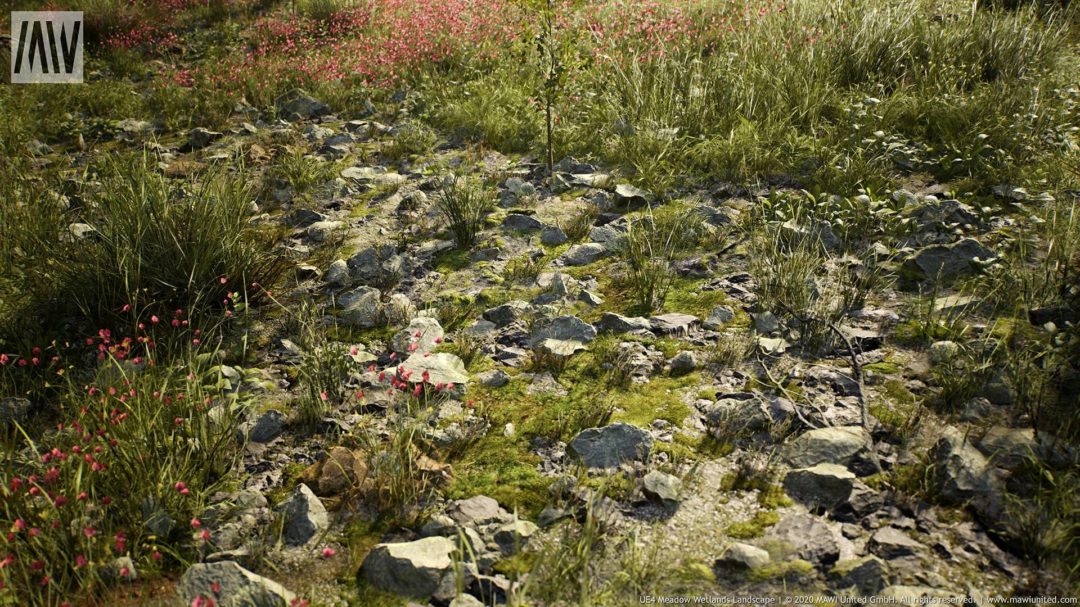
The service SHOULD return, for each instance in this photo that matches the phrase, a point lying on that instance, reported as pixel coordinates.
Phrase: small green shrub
(649, 250)
(464, 203)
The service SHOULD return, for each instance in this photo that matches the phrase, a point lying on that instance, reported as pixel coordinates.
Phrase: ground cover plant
(542, 302)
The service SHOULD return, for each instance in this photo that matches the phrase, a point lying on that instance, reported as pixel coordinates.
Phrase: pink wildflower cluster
(377, 48)
(651, 29)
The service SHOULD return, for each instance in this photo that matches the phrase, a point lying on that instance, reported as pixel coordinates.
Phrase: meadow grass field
(477, 302)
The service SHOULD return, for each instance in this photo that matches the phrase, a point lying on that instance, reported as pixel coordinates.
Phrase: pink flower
(418, 390)
(154, 319)
(196, 523)
(328, 552)
(126, 308)
(324, 396)
(89, 532)
(80, 561)
(223, 280)
(205, 535)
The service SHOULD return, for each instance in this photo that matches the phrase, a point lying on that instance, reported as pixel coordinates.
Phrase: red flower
(80, 561)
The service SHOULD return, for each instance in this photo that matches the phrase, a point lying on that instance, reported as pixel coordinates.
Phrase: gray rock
(82, 231)
(808, 537)
(338, 273)
(522, 223)
(616, 323)
(423, 334)
(513, 536)
(941, 352)
(631, 196)
(562, 335)
(743, 556)
(552, 236)
(268, 427)
(746, 415)
(508, 312)
(684, 362)
(156, 518)
(673, 323)
(849, 446)
(718, 317)
(819, 231)
(361, 307)
(305, 516)
(199, 138)
(584, 254)
(1012, 448)
(14, 410)
(495, 378)
(946, 262)
(466, 600)
(590, 298)
(236, 586)
(661, 487)
(964, 475)
(400, 310)
(891, 543)
(422, 569)
(904, 594)
(478, 510)
(441, 367)
(821, 486)
(868, 574)
(766, 323)
(321, 231)
(298, 105)
(377, 266)
(611, 446)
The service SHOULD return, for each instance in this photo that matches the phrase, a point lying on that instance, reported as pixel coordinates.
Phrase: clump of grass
(410, 139)
(730, 349)
(301, 171)
(324, 368)
(649, 250)
(464, 202)
(523, 269)
(177, 245)
(139, 451)
(580, 224)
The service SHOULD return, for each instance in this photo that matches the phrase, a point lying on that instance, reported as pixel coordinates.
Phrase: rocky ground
(704, 445)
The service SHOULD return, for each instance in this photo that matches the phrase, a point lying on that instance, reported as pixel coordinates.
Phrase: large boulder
(611, 446)
(849, 446)
(421, 569)
(304, 515)
(562, 335)
(230, 585)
